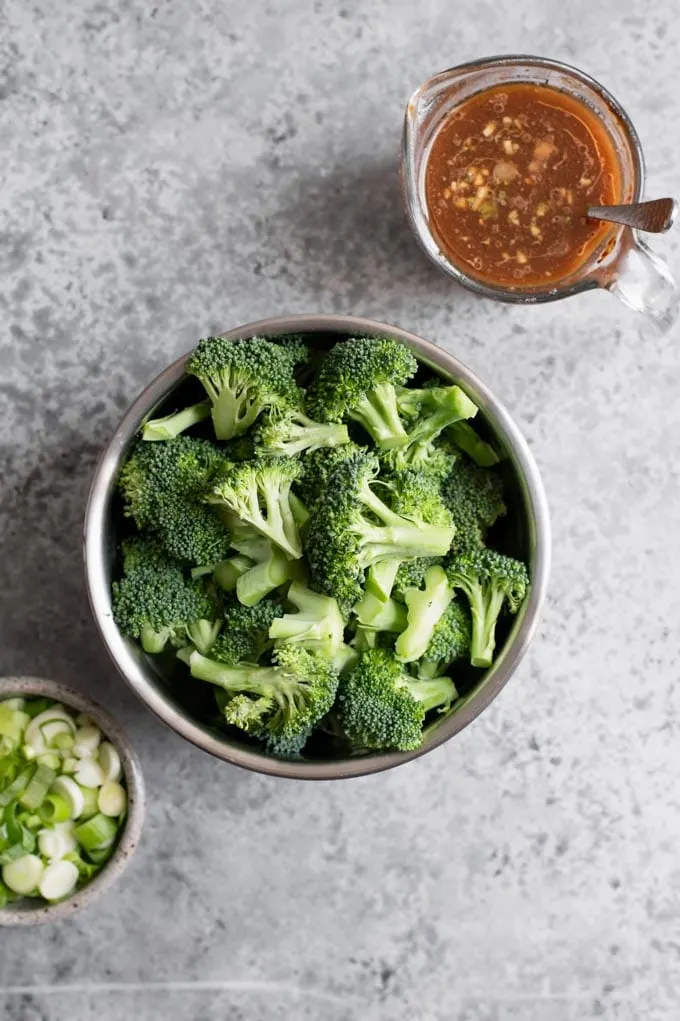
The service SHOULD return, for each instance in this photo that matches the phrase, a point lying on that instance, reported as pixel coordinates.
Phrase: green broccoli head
(243, 378)
(352, 528)
(162, 485)
(450, 640)
(431, 410)
(294, 433)
(291, 695)
(490, 580)
(155, 602)
(475, 498)
(245, 632)
(383, 706)
(258, 493)
(357, 380)
(317, 468)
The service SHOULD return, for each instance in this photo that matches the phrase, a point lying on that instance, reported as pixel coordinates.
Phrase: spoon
(656, 216)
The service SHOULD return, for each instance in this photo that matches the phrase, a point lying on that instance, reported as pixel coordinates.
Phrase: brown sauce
(508, 180)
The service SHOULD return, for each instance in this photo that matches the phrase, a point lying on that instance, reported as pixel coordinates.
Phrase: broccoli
(227, 573)
(318, 624)
(477, 449)
(258, 493)
(243, 378)
(244, 635)
(450, 641)
(411, 491)
(380, 614)
(489, 580)
(433, 410)
(316, 469)
(266, 567)
(162, 485)
(288, 698)
(475, 498)
(155, 603)
(411, 574)
(169, 426)
(353, 528)
(426, 607)
(357, 380)
(295, 433)
(383, 706)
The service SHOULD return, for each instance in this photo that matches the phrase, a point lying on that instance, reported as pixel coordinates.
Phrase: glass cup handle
(644, 282)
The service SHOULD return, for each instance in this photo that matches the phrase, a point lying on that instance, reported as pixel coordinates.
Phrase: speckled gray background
(178, 168)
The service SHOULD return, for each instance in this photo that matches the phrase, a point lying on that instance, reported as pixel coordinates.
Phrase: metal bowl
(528, 518)
(31, 911)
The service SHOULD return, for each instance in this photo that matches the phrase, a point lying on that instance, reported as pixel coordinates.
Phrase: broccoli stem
(437, 693)
(228, 572)
(172, 425)
(153, 641)
(465, 437)
(398, 538)
(378, 413)
(263, 578)
(485, 607)
(425, 609)
(267, 681)
(233, 408)
(203, 634)
(381, 577)
(380, 614)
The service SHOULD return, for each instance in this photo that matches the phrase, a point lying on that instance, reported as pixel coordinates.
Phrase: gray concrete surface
(178, 168)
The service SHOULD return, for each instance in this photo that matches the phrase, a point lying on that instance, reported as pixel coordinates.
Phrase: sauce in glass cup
(501, 206)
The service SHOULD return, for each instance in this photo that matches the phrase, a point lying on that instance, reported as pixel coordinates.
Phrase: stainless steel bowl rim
(37, 912)
(132, 670)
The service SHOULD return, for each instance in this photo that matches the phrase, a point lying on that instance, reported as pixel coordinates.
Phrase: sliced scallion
(112, 799)
(55, 809)
(36, 790)
(97, 834)
(24, 874)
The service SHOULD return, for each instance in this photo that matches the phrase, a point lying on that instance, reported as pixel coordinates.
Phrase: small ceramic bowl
(34, 911)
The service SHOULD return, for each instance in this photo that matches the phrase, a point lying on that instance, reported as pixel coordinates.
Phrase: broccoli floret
(289, 697)
(411, 574)
(380, 614)
(383, 706)
(432, 411)
(357, 380)
(172, 425)
(425, 606)
(162, 485)
(489, 580)
(157, 604)
(478, 450)
(318, 624)
(266, 568)
(243, 378)
(450, 641)
(353, 528)
(258, 492)
(316, 469)
(412, 491)
(295, 433)
(475, 498)
(244, 635)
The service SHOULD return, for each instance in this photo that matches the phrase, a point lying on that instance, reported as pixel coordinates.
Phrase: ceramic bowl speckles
(34, 911)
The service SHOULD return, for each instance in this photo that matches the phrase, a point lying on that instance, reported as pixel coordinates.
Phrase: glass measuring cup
(622, 263)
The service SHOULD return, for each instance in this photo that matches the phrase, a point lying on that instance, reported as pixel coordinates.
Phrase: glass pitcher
(622, 263)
